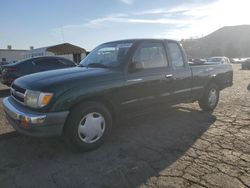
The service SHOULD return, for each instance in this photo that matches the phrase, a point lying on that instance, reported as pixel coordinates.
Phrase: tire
(87, 126)
(210, 98)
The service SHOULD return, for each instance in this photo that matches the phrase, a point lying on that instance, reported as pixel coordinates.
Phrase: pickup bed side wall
(220, 74)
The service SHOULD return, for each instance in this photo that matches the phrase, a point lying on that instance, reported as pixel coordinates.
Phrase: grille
(17, 93)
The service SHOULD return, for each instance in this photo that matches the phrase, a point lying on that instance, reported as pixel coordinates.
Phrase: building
(11, 55)
(69, 51)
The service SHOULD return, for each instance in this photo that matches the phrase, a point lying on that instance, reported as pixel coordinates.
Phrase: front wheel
(210, 98)
(88, 125)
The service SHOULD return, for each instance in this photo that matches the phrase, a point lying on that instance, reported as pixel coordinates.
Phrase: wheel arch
(214, 80)
(98, 99)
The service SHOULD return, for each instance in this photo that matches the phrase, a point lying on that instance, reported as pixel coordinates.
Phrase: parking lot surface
(179, 146)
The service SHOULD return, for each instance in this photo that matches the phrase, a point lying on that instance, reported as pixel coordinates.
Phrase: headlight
(36, 99)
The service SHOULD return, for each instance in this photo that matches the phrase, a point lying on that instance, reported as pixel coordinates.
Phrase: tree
(231, 51)
(216, 52)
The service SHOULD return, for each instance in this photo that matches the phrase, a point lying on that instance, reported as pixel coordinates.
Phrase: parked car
(232, 60)
(10, 72)
(3, 63)
(245, 65)
(10, 62)
(199, 61)
(117, 79)
(217, 60)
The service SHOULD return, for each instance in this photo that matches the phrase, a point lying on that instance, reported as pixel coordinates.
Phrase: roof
(140, 40)
(44, 57)
(60, 49)
(65, 48)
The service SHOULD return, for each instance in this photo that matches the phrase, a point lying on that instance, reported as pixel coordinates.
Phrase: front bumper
(32, 123)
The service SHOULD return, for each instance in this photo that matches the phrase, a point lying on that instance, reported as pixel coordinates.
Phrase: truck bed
(221, 73)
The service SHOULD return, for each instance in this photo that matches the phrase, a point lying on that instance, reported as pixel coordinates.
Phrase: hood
(42, 80)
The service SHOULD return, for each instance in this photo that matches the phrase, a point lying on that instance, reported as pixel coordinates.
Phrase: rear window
(66, 62)
(22, 62)
(47, 62)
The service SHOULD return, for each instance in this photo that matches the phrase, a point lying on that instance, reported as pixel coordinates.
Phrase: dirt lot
(177, 147)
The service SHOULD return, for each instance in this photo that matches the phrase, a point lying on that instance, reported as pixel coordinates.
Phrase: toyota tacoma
(116, 79)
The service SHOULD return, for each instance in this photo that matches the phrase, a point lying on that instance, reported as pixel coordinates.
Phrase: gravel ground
(177, 147)
(4, 126)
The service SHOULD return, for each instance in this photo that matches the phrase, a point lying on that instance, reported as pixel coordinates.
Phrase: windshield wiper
(97, 65)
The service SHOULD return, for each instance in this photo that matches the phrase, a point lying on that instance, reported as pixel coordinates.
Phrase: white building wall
(11, 55)
(70, 56)
(67, 56)
(36, 53)
(43, 52)
(83, 55)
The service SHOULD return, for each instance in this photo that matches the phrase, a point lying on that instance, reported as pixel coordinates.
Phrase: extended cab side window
(175, 55)
(151, 55)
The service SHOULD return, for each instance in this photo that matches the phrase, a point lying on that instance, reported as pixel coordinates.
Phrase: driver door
(147, 86)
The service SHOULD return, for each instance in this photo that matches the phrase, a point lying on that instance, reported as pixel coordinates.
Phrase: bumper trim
(16, 114)
(33, 123)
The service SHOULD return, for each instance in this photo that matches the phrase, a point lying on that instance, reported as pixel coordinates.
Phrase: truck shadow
(137, 150)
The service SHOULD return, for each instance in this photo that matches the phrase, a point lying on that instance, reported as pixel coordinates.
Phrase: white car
(217, 60)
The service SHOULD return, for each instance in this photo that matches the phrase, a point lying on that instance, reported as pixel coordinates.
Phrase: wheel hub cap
(91, 127)
(212, 97)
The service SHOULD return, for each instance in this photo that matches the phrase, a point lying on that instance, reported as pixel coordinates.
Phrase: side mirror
(135, 66)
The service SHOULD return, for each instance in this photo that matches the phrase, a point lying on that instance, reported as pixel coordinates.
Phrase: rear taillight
(9, 69)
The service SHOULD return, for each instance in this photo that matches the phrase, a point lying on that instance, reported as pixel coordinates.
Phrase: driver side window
(175, 55)
(151, 55)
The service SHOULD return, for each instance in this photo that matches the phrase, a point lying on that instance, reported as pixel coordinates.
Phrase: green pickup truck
(116, 79)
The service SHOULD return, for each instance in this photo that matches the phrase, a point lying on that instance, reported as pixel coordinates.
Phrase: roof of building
(60, 49)
(66, 48)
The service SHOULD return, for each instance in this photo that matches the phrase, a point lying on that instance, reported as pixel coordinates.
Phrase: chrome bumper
(33, 123)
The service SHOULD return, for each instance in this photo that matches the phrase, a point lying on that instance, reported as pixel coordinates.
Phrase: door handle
(169, 76)
(135, 80)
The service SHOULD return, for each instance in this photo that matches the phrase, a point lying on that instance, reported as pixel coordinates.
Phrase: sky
(87, 23)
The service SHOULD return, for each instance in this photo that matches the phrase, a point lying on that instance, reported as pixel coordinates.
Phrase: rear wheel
(210, 98)
(88, 125)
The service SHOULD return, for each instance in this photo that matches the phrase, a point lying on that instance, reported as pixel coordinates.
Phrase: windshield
(107, 55)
